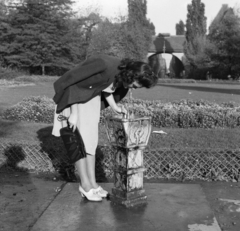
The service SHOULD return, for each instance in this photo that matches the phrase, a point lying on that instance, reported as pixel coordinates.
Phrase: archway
(167, 64)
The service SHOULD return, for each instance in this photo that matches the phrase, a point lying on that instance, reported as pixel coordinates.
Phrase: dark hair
(138, 71)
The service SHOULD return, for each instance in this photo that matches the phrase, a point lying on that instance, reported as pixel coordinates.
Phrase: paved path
(173, 207)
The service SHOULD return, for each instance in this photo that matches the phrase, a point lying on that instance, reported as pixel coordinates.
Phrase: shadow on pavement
(14, 155)
(55, 150)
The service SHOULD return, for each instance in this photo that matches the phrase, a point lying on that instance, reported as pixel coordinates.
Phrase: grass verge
(175, 138)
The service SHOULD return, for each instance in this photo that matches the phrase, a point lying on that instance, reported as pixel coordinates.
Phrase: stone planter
(129, 137)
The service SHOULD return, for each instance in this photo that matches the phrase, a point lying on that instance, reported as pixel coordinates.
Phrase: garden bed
(177, 114)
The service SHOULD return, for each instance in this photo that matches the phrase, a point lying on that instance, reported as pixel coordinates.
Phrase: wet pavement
(27, 199)
(24, 197)
(175, 207)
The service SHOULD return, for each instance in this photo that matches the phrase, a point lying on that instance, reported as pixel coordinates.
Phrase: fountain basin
(128, 132)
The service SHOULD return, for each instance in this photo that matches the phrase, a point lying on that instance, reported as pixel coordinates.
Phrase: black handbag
(72, 141)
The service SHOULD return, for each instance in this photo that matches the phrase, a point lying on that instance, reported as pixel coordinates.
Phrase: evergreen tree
(195, 47)
(180, 28)
(196, 20)
(137, 10)
(152, 28)
(139, 30)
(36, 34)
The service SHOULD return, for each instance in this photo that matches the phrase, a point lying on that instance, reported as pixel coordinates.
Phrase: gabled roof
(172, 44)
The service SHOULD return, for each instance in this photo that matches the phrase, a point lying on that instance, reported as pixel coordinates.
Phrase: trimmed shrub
(177, 114)
(184, 113)
(172, 80)
(34, 109)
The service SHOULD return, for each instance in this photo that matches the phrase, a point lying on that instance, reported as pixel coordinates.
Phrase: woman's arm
(73, 116)
(113, 105)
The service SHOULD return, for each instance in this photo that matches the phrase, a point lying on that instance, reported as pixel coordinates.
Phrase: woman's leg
(81, 166)
(90, 163)
(89, 114)
(92, 178)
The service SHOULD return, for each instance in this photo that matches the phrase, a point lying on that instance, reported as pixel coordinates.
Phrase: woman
(82, 92)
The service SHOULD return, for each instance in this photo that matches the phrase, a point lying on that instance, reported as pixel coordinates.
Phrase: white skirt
(88, 121)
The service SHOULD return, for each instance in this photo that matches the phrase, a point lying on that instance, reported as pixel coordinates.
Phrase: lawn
(174, 138)
(213, 138)
(12, 95)
(217, 93)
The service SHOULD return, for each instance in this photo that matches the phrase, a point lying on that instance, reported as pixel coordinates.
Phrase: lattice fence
(165, 163)
(47, 156)
(190, 163)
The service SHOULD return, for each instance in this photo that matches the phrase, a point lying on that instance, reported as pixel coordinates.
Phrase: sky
(164, 14)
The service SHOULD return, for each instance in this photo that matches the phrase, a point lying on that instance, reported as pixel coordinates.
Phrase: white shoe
(91, 195)
(101, 192)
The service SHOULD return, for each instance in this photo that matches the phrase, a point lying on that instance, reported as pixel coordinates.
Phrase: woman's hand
(120, 110)
(73, 121)
(123, 110)
(73, 118)
(117, 109)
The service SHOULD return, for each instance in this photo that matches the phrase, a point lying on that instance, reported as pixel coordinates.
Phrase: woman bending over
(82, 92)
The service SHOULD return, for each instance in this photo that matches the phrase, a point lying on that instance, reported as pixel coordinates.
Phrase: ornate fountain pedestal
(129, 137)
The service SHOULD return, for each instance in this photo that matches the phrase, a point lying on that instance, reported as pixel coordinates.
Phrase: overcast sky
(163, 13)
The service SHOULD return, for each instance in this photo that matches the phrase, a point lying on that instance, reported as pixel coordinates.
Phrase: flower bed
(177, 114)
(185, 113)
(31, 109)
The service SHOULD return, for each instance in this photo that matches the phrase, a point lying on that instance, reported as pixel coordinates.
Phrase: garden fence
(162, 163)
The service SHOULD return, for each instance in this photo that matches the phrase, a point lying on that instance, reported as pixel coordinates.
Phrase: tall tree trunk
(43, 69)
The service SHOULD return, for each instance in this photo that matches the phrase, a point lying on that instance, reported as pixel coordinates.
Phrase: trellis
(162, 163)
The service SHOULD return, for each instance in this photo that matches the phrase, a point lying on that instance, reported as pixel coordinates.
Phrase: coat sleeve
(81, 72)
(118, 95)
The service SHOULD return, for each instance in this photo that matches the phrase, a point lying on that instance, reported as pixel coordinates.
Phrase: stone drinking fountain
(129, 137)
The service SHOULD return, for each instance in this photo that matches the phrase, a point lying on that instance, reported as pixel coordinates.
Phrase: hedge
(184, 113)
(177, 114)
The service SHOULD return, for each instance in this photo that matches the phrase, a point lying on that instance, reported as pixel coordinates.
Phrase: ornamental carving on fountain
(128, 137)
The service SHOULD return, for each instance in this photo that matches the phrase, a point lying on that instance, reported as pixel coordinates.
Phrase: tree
(158, 64)
(124, 37)
(3, 8)
(226, 36)
(196, 20)
(199, 61)
(194, 47)
(180, 28)
(152, 28)
(114, 39)
(137, 10)
(37, 34)
(139, 30)
(88, 23)
(106, 38)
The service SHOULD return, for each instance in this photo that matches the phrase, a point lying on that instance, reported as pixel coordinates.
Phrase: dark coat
(86, 81)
